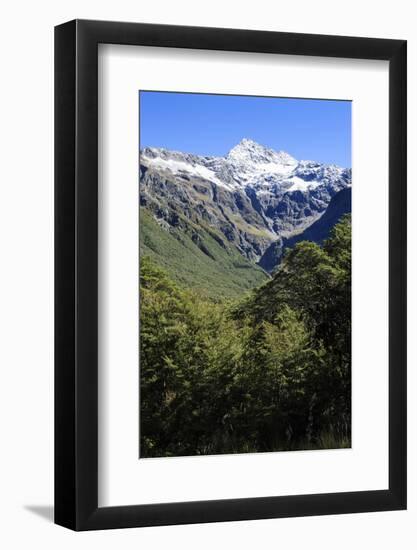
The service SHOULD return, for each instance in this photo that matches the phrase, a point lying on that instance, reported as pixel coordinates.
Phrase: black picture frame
(76, 272)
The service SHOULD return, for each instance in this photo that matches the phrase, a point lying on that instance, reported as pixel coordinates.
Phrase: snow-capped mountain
(248, 164)
(251, 197)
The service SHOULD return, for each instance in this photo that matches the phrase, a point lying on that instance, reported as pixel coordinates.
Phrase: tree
(270, 372)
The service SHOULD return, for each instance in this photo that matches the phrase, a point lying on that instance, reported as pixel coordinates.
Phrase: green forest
(260, 370)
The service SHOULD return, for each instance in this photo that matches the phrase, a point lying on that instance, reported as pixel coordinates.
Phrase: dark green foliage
(268, 372)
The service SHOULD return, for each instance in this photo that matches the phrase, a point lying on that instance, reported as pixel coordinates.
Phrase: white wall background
(26, 289)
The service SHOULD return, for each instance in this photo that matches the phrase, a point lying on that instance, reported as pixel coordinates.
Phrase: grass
(225, 444)
(248, 228)
(326, 440)
(202, 264)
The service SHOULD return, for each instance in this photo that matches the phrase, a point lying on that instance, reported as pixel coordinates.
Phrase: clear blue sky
(205, 124)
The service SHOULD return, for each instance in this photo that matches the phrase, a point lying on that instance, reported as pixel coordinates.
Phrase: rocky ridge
(247, 199)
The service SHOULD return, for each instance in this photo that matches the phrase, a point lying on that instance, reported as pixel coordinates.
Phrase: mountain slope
(245, 201)
(197, 258)
(317, 232)
(268, 189)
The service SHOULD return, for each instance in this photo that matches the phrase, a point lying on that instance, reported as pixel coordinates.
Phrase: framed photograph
(230, 252)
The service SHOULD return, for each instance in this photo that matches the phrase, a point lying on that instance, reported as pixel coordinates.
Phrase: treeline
(271, 372)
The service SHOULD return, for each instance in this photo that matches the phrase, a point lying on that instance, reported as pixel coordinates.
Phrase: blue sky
(205, 124)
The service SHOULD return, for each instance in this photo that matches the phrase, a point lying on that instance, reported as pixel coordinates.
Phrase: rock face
(250, 198)
(318, 231)
(340, 204)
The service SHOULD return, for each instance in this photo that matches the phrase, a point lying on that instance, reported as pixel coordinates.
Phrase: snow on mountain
(253, 195)
(252, 157)
(298, 184)
(183, 167)
(247, 164)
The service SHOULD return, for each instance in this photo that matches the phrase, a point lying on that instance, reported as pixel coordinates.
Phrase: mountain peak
(248, 143)
(248, 150)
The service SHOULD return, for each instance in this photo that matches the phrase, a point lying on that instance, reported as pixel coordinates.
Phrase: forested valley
(269, 370)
